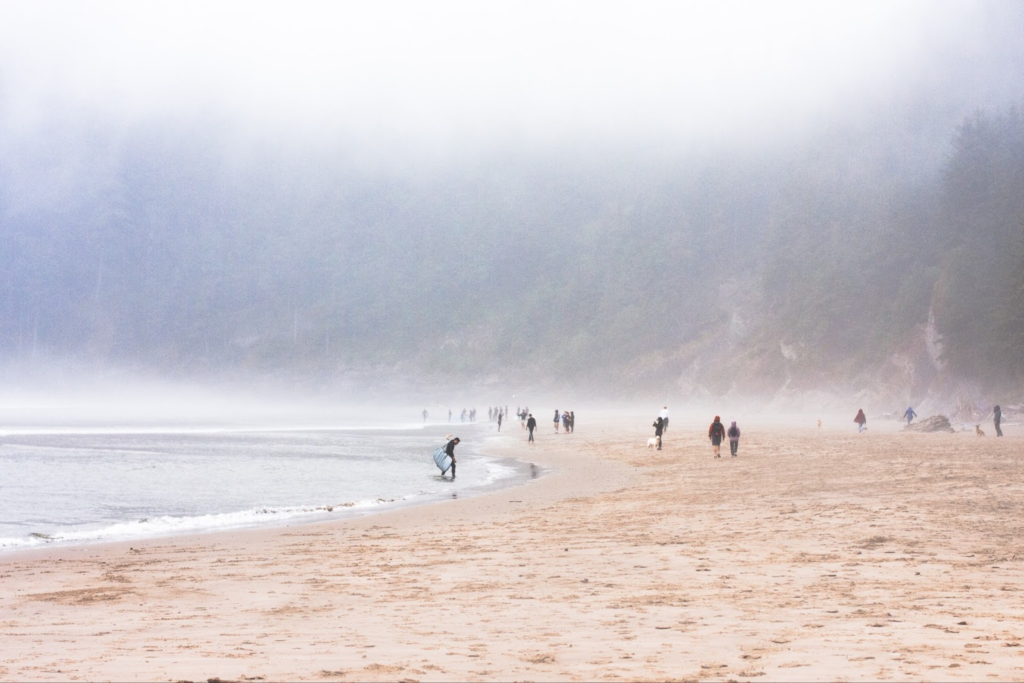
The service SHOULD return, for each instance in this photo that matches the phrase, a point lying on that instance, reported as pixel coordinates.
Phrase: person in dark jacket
(531, 424)
(659, 427)
(450, 450)
(997, 417)
(734, 438)
(716, 432)
(861, 420)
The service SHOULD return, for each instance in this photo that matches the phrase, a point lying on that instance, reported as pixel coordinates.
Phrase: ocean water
(72, 486)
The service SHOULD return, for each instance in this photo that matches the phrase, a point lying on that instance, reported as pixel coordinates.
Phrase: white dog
(652, 442)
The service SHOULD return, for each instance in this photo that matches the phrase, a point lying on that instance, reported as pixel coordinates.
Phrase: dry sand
(815, 555)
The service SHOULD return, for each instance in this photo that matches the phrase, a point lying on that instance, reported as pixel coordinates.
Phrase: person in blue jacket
(734, 438)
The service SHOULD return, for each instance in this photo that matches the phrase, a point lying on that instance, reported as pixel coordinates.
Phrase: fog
(455, 73)
(781, 204)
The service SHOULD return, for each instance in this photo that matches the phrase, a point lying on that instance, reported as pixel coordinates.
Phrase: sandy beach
(814, 555)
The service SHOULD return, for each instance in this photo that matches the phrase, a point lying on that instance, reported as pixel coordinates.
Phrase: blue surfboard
(442, 459)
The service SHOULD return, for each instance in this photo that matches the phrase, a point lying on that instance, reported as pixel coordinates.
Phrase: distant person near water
(734, 438)
(565, 422)
(449, 414)
(531, 424)
(499, 420)
(556, 420)
(997, 417)
(659, 428)
(572, 421)
(664, 419)
(861, 420)
(716, 432)
(424, 414)
(909, 414)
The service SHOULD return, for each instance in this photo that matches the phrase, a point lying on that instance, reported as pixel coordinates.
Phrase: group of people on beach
(909, 414)
(717, 433)
(565, 419)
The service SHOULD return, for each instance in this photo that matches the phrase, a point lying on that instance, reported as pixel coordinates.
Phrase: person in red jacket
(716, 432)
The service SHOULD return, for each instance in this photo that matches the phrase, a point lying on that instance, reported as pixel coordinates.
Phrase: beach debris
(935, 423)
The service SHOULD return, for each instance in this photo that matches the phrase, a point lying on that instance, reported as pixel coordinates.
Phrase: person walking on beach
(997, 417)
(909, 414)
(424, 414)
(565, 422)
(450, 450)
(664, 419)
(556, 420)
(734, 438)
(572, 421)
(716, 432)
(449, 414)
(659, 427)
(861, 420)
(531, 424)
(499, 421)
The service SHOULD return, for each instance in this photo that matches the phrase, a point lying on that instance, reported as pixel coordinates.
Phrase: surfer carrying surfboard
(449, 449)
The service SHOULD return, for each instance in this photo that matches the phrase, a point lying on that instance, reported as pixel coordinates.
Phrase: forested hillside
(885, 257)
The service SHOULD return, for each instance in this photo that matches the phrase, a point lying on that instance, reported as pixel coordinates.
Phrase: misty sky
(440, 72)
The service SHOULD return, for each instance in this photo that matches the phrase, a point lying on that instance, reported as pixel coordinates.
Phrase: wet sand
(815, 555)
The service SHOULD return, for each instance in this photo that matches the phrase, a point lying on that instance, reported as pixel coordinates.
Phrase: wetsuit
(450, 450)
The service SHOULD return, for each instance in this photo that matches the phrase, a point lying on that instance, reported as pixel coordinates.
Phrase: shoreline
(814, 555)
(314, 513)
